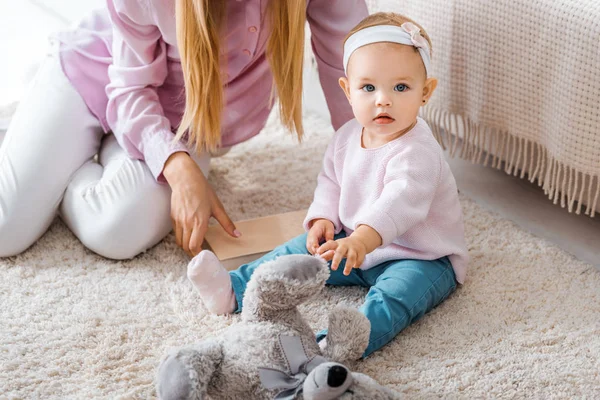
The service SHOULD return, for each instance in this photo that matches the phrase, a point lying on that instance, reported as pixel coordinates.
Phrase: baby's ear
(345, 85)
(429, 88)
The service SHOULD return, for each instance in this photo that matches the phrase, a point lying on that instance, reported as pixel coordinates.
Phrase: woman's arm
(136, 117)
(139, 66)
(193, 202)
(330, 21)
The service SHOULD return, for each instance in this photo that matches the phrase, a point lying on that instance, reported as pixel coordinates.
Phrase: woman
(115, 89)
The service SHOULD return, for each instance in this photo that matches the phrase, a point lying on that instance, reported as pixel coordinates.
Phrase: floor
(526, 204)
(32, 20)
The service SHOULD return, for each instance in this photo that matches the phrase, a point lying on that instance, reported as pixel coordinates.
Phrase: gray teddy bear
(272, 353)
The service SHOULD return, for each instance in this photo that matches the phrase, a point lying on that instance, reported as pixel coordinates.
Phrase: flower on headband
(415, 35)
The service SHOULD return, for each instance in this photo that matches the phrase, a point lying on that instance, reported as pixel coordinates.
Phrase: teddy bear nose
(336, 376)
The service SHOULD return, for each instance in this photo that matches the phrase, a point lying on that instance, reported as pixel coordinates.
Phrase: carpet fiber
(75, 325)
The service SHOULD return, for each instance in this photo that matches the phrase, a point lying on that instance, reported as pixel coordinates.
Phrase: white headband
(408, 33)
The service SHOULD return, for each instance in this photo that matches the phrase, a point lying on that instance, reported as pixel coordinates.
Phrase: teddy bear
(272, 353)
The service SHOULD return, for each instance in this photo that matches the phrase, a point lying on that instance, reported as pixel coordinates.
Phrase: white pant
(114, 205)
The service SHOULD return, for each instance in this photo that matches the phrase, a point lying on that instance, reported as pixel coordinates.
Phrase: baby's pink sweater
(404, 190)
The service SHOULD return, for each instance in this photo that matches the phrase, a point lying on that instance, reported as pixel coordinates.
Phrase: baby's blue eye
(400, 87)
(368, 88)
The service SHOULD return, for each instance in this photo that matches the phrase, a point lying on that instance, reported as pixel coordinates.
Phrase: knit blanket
(518, 89)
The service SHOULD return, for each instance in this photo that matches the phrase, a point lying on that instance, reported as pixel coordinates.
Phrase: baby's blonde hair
(387, 18)
(198, 25)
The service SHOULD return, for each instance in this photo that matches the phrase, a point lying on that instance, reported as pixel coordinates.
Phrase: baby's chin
(384, 130)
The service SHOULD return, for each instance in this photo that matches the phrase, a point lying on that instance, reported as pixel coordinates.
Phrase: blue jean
(400, 291)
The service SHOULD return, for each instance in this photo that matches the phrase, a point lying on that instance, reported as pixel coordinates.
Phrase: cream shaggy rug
(76, 326)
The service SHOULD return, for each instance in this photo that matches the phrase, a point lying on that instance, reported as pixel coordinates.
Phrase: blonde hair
(198, 27)
(387, 18)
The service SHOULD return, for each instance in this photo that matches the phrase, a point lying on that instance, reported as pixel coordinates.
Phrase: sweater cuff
(383, 225)
(157, 149)
(320, 212)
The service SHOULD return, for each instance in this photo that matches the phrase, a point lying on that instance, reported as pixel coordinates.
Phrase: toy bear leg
(186, 373)
(348, 334)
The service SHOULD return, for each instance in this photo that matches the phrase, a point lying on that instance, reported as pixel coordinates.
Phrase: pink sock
(212, 281)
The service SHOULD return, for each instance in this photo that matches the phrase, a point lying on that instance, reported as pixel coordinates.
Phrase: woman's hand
(321, 230)
(193, 202)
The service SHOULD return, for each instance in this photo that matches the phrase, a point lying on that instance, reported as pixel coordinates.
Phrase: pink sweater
(404, 190)
(124, 62)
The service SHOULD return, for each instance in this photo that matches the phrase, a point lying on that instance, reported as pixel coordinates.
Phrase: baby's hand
(350, 248)
(321, 230)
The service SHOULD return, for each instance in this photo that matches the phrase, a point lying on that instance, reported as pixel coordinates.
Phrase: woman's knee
(119, 222)
(123, 232)
(23, 218)
(17, 232)
(11, 242)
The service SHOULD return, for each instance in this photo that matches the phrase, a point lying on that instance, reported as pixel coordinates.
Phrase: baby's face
(386, 86)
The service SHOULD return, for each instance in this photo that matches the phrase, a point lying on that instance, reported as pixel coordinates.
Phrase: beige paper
(259, 235)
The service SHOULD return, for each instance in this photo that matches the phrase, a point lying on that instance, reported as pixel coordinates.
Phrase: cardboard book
(259, 236)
